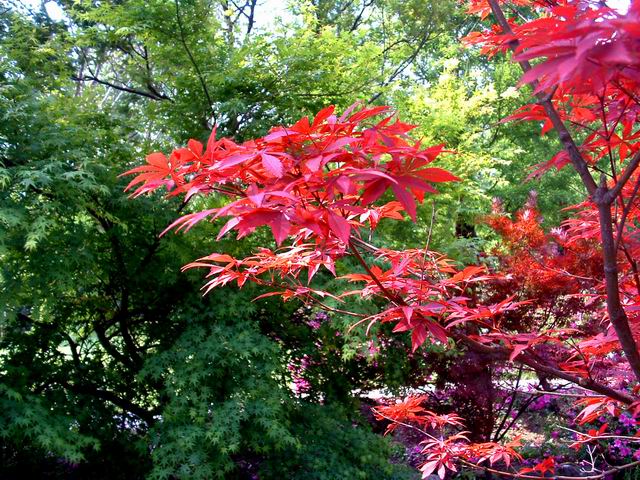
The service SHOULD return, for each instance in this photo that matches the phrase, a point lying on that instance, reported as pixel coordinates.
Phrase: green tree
(108, 351)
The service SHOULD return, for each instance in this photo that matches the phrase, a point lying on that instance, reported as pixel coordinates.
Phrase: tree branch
(503, 353)
(111, 397)
(101, 333)
(567, 140)
(153, 95)
(193, 60)
(402, 66)
(624, 178)
(602, 197)
(615, 311)
(358, 19)
(507, 412)
(625, 213)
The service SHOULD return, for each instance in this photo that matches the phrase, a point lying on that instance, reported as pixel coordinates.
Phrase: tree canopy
(311, 142)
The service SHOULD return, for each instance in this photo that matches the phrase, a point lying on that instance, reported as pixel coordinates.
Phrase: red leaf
(367, 113)
(517, 350)
(374, 190)
(339, 226)
(322, 115)
(280, 227)
(212, 140)
(235, 159)
(438, 332)
(302, 126)
(272, 165)
(196, 147)
(188, 221)
(406, 199)
(418, 337)
(434, 174)
(158, 159)
(408, 313)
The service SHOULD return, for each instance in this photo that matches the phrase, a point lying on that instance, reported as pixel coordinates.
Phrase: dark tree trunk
(474, 395)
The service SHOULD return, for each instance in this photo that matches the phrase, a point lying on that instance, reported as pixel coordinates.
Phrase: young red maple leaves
(411, 411)
(314, 180)
(317, 183)
(442, 448)
(587, 61)
(547, 466)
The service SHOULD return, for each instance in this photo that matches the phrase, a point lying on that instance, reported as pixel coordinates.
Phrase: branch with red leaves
(317, 186)
(606, 58)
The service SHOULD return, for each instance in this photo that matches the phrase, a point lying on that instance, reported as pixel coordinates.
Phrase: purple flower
(317, 321)
(314, 324)
(623, 447)
(627, 421)
(300, 384)
(541, 403)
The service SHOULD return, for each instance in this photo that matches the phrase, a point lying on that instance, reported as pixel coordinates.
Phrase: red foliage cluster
(441, 452)
(590, 70)
(316, 183)
(316, 179)
(558, 272)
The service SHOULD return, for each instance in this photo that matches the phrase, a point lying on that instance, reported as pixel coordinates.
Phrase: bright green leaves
(225, 397)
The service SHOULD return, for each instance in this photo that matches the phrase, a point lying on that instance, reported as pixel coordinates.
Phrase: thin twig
(556, 477)
(193, 61)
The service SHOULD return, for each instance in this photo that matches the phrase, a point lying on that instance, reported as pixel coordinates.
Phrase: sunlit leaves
(306, 179)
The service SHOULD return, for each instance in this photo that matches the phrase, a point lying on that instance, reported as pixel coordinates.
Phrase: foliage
(111, 360)
(316, 182)
(93, 301)
(224, 400)
(333, 447)
(462, 109)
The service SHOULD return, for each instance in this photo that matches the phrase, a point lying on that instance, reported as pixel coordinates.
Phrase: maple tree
(559, 303)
